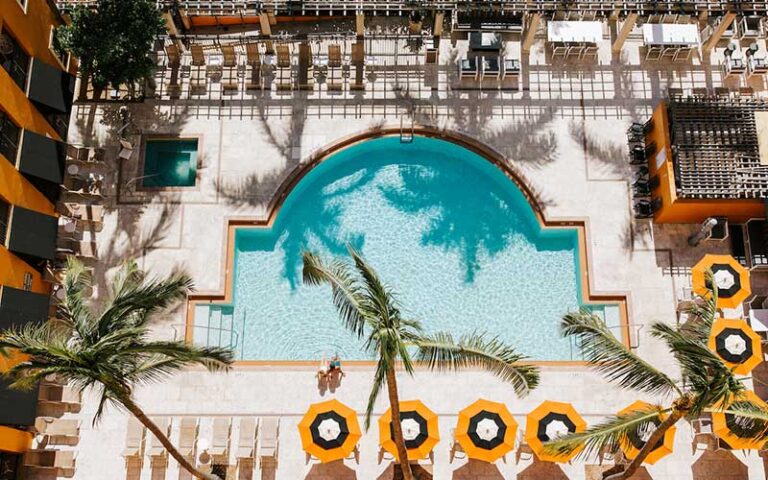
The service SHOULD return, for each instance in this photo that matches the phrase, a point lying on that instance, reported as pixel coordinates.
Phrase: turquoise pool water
(446, 229)
(170, 163)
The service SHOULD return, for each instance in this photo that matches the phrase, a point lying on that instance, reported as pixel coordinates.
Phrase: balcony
(14, 59)
(50, 88)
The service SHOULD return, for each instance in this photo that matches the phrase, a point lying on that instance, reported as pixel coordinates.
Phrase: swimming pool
(170, 163)
(445, 228)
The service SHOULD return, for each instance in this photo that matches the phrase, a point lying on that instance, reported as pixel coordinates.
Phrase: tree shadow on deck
(331, 471)
(475, 469)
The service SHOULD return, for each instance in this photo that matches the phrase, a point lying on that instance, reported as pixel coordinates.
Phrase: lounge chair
(456, 449)
(134, 439)
(78, 248)
(246, 444)
(230, 56)
(59, 395)
(198, 57)
(283, 56)
(221, 430)
(174, 58)
(334, 56)
(156, 449)
(60, 462)
(269, 432)
(188, 436)
(59, 430)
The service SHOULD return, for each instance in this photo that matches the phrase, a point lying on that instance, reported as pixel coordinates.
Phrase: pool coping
(581, 225)
(140, 187)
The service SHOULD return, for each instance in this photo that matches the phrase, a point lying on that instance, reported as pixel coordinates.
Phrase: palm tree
(109, 348)
(369, 309)
(705, 384)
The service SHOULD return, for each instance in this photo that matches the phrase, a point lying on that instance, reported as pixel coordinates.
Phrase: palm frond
(379, 379)
(703, 371)
(609, 435)
(439, 351)
(136, 303)
(348, 296)
(377, 294)
(749, 420)
(606, 354)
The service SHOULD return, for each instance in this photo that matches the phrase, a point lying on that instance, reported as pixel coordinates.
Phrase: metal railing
(295, 7)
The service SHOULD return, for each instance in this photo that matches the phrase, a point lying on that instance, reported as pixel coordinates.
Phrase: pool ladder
(406, 132)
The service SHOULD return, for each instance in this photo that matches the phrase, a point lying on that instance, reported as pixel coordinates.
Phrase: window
(5, 213)
(14, 59)
(10, 466)
(58, 51)
(9, 138)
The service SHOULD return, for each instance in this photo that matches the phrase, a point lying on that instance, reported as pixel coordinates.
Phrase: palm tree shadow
(336, 470)
(393, 472)
(472, 225)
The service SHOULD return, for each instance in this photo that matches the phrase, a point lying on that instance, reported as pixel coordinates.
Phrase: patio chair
(230, 56)
(703, 435)
(589, 52)
(198, 56)
(221, 430)
(669, 53)
(59, 430)
(468, 68)
(511, 68)
(246, 443)
(559, 50)
(198, 86)
(188, 436)
(59, 462)
(646, 209)
(683, 53)
(491, 67)
(653, 53)
(524, 451)
(269, 432)
(156, 449)
(134, 439)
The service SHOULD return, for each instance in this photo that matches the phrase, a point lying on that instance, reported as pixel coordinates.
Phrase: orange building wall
(676, 210)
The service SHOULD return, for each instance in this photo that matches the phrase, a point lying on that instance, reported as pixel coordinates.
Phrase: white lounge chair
(269, 432)
(134, 439)
(156, 449)
(246, 444)
(221, 429)
(188, 436)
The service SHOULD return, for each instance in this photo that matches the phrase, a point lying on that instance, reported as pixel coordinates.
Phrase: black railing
(15, 60)
(5, 213)
(9, 138)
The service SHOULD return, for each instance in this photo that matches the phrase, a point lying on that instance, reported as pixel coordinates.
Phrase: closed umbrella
(635, 442)
(731, 278)
(734, 341)
(420, 431)
(329, 431)
(549, 421)
(486, 430)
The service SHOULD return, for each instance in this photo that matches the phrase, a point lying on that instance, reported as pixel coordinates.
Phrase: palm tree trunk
(397, 430)
(160, 435)
(657, 435)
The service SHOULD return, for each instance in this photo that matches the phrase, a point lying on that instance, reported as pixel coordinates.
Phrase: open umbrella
(549, 421)
(419, 426)
(486, 430)
(731, 278)
(722, 423)
(329, 431)
(635, 443)
(734, 341)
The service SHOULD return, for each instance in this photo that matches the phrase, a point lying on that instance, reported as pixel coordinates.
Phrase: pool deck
(566, 137)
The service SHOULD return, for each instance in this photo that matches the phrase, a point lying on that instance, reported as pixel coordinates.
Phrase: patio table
(574, 31)
(671, 34)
